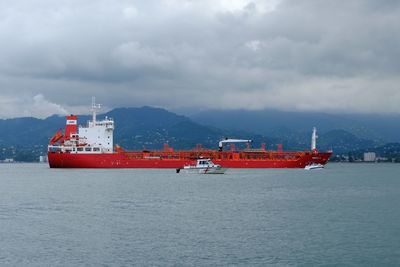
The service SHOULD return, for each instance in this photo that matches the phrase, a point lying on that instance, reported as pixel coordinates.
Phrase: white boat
(314, 166)
(203, 166)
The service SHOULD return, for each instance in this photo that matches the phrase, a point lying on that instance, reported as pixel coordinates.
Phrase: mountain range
(379, 128)
(149, 128)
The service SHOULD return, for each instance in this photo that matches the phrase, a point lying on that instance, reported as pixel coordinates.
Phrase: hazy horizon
(189, 112)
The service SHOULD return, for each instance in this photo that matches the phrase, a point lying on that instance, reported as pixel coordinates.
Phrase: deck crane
(227, 140)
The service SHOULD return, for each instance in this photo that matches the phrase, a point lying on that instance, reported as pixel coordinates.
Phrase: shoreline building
(369, 156)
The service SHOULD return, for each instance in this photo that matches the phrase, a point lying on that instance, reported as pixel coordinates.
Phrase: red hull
(161, 159)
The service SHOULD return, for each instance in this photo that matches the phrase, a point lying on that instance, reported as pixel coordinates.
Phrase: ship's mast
(314, 137)
(95, 107)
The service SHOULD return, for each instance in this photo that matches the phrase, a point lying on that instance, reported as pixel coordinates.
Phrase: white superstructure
(94, 138)
(98, 133)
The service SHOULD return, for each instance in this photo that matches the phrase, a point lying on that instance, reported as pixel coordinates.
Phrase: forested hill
(24, 139)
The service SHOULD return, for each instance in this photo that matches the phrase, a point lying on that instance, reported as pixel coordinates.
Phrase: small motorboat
(203, 166)
(314, 166)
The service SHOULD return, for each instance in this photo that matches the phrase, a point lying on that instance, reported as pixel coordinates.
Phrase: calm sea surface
(345, 215)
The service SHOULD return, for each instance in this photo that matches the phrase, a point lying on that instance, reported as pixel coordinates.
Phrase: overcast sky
(311, 55)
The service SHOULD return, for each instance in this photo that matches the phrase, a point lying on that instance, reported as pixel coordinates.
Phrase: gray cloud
(293, 55)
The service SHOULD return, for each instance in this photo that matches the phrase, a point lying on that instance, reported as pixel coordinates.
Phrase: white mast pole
(314, 137)
(94, 108)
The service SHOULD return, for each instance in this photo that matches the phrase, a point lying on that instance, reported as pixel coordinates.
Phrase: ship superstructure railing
(213, 154)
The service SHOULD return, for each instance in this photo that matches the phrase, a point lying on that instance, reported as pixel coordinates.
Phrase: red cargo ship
(92, 147)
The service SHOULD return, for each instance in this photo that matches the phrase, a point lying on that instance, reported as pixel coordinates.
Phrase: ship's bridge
(99, 134)
(108, 123)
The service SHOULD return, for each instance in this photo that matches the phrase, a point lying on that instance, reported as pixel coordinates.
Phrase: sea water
(344, 215)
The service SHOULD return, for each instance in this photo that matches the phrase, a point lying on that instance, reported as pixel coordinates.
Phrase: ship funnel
(71, 126)
(314, 137)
